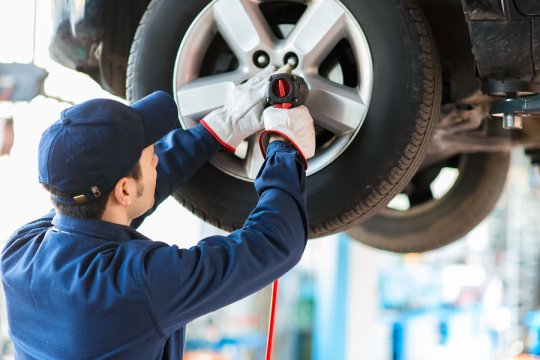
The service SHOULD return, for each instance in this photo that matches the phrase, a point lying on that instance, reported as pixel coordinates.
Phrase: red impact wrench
(284, 91)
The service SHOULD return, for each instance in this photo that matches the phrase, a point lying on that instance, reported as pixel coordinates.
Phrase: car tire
(386, 150)
(438, 222)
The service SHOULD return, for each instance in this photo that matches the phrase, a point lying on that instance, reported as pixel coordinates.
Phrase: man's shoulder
(32, 228)
(44, 221)
(23, 237)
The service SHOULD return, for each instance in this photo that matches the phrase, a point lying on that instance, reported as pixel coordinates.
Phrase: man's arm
(183, 284)
(181, 153)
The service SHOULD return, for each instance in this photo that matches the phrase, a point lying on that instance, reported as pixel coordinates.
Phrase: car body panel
(77, 31)
(528, 7)
(94, 37)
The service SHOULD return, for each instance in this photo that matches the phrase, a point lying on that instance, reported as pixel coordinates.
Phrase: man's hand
(295, 125)
(241, 116)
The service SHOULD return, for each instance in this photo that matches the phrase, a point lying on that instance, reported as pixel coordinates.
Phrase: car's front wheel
(374, 80)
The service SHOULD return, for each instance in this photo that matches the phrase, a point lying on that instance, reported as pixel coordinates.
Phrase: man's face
(146, 186)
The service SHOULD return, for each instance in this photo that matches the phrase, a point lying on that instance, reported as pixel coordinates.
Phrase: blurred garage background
(475, 299)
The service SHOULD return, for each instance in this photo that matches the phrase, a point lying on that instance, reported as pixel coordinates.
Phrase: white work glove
(295, 124)
(240, 117)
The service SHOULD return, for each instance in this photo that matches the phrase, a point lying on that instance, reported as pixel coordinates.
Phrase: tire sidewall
(156, 44)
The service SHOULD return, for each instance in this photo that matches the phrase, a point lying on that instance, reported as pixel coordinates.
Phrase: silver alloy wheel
(336, 108)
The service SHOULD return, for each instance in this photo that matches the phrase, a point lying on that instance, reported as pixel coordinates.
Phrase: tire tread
(411, 159)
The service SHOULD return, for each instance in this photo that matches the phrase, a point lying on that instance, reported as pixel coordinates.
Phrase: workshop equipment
(512, 109)
(286, 90)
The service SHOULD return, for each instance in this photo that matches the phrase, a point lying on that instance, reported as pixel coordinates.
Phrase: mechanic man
(82, 283)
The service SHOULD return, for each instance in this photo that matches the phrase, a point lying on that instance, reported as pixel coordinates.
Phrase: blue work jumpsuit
(90, 289)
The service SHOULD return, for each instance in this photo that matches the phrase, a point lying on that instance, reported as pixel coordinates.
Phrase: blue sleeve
(184, 284)
(181, 153)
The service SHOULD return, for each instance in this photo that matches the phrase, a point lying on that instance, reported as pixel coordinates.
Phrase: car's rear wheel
(374, 81)
(440, 205)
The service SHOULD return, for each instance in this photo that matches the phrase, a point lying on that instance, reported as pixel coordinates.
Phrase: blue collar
(96, 228)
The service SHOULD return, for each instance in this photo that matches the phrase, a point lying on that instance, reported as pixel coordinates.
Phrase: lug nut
(291, 59)
(261, 59)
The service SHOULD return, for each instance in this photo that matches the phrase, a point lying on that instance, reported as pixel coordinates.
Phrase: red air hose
(272, 320)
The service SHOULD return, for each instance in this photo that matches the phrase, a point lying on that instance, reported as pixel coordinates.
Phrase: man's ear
(123, 192)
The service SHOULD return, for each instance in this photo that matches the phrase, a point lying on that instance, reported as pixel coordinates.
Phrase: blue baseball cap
(96, 143)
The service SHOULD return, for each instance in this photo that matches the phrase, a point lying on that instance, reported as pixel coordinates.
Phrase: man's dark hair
(91, 210)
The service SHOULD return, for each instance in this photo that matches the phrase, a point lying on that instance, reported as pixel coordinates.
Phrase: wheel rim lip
(199, 34)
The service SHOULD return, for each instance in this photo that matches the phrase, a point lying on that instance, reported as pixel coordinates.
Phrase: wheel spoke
(318, 31)
(337, 108)
(243, 26)
(419, 188)
(254, 158)
(200, 96)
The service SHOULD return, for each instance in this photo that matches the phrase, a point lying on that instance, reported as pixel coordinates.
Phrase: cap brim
(159, 114)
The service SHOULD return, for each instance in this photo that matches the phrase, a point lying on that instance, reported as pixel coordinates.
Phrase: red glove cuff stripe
(263, 149)
(221, 142)
(283, 106)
